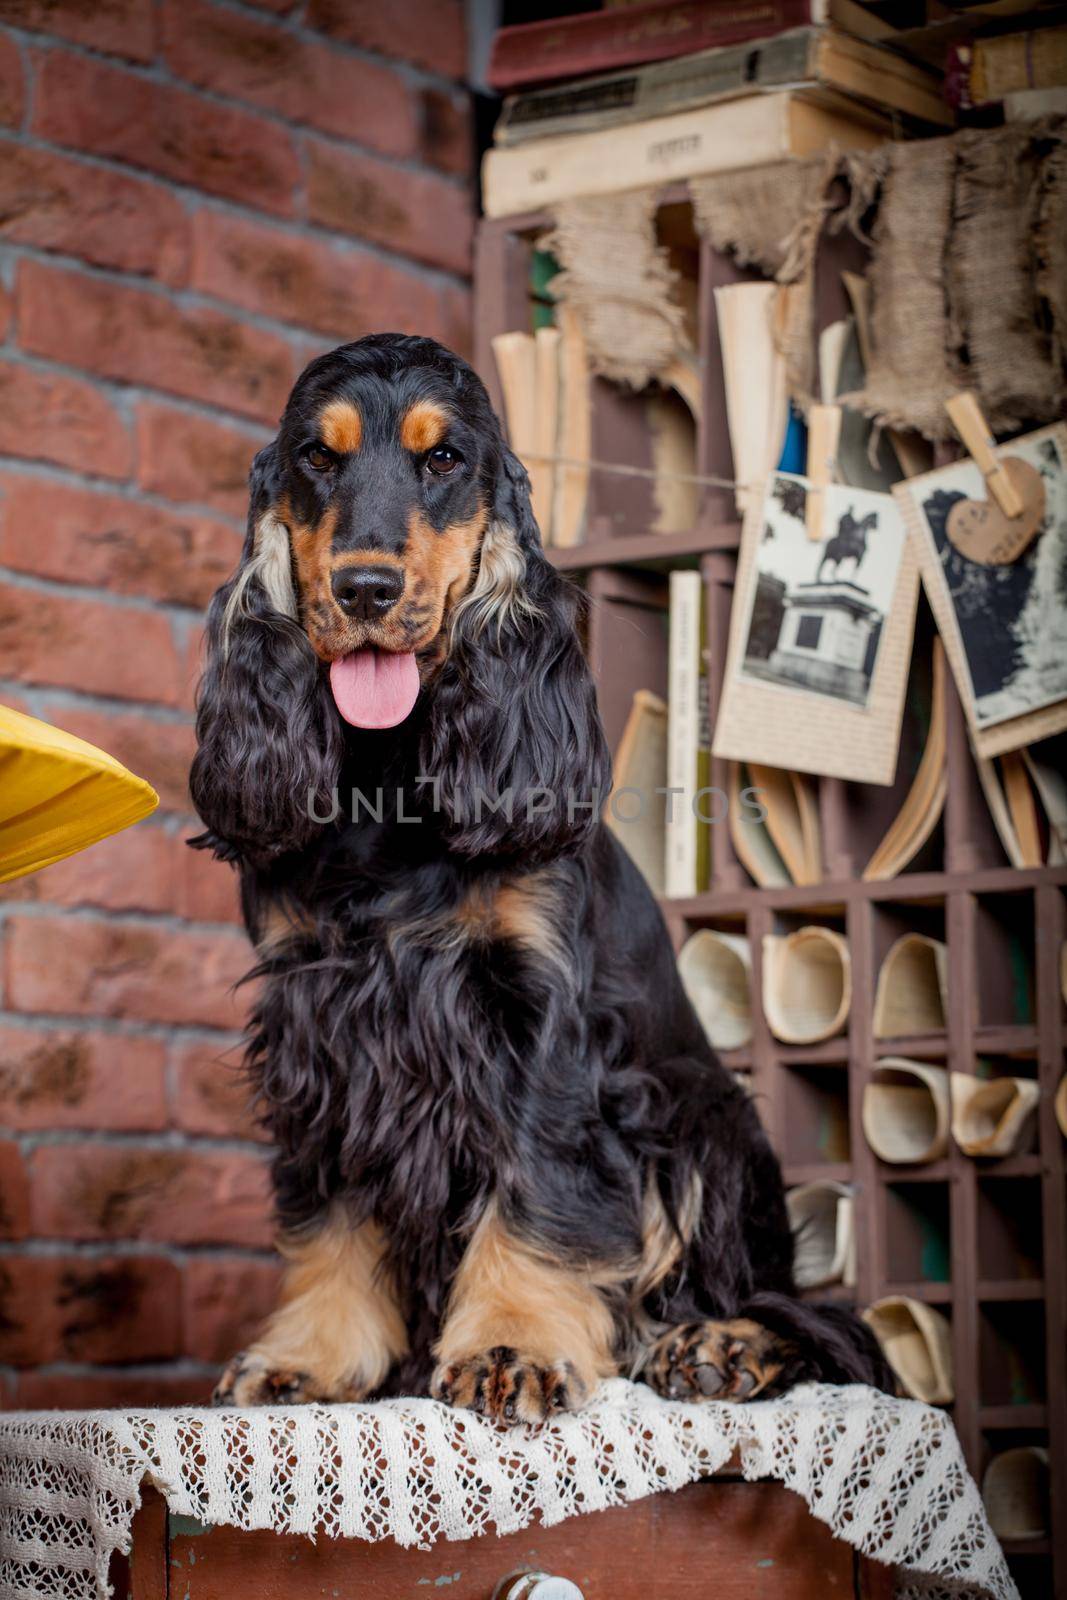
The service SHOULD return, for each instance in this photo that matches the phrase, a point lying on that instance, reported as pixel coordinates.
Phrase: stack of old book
(1023, 73)
(642, 94)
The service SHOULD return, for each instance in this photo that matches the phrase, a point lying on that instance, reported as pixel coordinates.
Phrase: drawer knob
(536, 1586)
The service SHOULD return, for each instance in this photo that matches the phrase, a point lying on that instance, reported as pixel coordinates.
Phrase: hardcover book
(812, 56)
(597, 41)
(688, 738)
(736, 134)
(984, 71)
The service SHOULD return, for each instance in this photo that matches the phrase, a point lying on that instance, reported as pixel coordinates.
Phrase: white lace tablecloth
(886, 1475)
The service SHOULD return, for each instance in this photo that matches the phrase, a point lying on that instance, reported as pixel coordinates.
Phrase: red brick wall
(195, 198)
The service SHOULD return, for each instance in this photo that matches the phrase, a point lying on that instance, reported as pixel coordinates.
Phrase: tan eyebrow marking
(423, 426)
(341, 427)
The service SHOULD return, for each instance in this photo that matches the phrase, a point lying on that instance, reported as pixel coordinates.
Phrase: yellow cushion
(59, 794)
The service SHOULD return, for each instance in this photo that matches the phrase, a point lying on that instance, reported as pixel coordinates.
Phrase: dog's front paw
(735, 1360)
(250, 1380)
(508, 1386)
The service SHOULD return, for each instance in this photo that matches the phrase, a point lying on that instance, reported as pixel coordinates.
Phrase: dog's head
(393, 577)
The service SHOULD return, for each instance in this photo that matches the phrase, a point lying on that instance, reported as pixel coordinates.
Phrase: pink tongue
(373, 689)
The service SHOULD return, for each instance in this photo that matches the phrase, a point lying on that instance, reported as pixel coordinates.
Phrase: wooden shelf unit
(1005, 1292)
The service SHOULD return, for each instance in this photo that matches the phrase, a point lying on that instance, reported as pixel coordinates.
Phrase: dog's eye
(442, 461)
(318, 459)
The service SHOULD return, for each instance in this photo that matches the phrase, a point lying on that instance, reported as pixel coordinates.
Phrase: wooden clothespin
(971, 425)
(824, 431)
(997, 530)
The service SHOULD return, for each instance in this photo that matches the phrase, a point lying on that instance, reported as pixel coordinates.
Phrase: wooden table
(723, 1538)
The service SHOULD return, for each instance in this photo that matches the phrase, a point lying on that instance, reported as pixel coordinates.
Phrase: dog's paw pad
(250, 1381)
(508, 1386)
(735, 1360)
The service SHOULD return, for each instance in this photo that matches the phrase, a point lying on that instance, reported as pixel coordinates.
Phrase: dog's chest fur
(420, 1058)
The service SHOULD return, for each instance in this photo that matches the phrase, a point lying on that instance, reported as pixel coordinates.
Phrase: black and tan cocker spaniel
(508, 1163)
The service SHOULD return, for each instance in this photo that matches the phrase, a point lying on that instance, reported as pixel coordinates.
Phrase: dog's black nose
(367, 592)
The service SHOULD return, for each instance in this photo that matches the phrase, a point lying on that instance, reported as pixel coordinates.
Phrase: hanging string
(621, 470)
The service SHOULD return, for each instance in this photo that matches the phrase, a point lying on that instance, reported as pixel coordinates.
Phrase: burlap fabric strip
(968, 270)
(629, 297)
(621, 284)
(1050, 240)
(911, 371)
(771, 217)
(1005, 351)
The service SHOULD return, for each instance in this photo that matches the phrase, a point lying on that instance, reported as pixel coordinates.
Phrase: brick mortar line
(120, 706)
(159, 73)
(86, 909)
(181, 1256)
(195, 199)
(180, 1033)
(82, 700)
(295, 25)
(180, 1367)
(166, 921)
(184, 628)
(183, 299)
(131, 1249)
(296, 335)
(169, 823)
(29, 80)
(174, 610)
(157, 1139)
(121, 390)
(122, 488)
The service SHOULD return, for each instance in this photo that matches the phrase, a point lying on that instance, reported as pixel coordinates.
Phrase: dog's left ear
(513, 741)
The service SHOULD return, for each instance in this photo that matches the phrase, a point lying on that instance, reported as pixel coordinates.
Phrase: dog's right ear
(268, 737)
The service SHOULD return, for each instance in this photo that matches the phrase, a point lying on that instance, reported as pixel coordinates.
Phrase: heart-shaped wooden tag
(980, 530)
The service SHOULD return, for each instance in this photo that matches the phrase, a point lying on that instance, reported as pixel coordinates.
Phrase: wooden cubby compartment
(814, 1102)
(1005, 968)
(890, 920)
(918, 1239)
(984, 1241)
(1010, 1232)
(1012, 1354)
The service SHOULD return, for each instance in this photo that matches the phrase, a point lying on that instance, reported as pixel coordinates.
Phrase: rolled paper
(807, 984)
(917, 1342)
(991, 1115)
(822, 1224)
(905, 1111)
(912, 989)
(1016, 1493)
(714, 969)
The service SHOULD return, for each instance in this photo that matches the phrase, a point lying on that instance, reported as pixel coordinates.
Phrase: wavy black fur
(416, 1076)
(267, 731)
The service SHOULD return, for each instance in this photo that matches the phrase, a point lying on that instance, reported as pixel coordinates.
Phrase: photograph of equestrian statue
(819, 606)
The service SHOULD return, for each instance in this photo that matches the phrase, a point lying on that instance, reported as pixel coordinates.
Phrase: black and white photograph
(1012, 616)
(819, 607)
